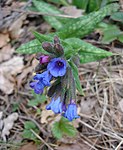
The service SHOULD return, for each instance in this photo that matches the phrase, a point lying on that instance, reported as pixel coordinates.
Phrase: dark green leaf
(81, 3)
(29, 125)
(120, 38)
(31, 47)
(111, 34)
(118, 16)
(63, 127)
(67, 128)
(57, 132)
(84, 25)
(87, 52)
(38, 99)
(55, 22)
(93, 5)
(42, 37)
(76, 77)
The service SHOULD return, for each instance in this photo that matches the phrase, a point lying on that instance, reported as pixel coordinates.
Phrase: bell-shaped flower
(44, 78)
(71, 112)
(37, 86)
(57, 67)
(56, 105)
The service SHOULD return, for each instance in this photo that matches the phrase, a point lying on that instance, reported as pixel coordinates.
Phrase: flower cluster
(54, 67)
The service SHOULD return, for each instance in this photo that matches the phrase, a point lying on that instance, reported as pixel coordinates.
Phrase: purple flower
(71, 112)
(43, 80)
(56, 106)
(44, 59)
(37, 86)
(57, 67)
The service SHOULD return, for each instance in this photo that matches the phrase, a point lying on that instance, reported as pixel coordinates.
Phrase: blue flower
(71, 112)
(37, 86)
(44, 78)
(56, 106)
(57, 67)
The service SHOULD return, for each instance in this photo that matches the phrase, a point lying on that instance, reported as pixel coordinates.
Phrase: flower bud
(56, 40)
(44, 59)
(58, 50)
(48, 47)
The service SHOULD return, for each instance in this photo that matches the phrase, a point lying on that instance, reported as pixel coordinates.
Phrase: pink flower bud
(44, 59)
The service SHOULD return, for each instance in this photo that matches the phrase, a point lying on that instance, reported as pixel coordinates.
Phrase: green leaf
(29, 125)
(63, 127)
(57, 132)
(93, 5)
(76, 77)
(31, 47)
(67, 128)
(118, 16)
(120, 38)
(86, 24)
(38, 99)
(42, 37)
(54, 21)
(81, 3)
(87, 52)
(111, 34)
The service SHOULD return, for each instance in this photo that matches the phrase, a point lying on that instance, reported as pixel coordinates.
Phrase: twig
(118, 146)
(41, 139)
(115, 136)
(38, 13)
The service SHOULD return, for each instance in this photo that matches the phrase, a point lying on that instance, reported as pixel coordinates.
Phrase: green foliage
(86, 24)
(76, 77)
(63, 127)
(27, 134)
(81, 3)
(31, 47)
(87, 52)
(110, 33)
(38, 99)
(118, 16)
(91, 5)
(55, 21)
(47, 8)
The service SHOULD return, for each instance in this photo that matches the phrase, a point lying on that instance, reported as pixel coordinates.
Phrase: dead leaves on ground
(8, 71)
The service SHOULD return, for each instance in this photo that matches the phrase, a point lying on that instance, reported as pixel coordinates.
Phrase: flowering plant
(57, 70)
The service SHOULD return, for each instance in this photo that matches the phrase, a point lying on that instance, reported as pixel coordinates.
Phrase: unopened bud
(58, 49)
(56, 40)
(44, 59)
(48, 47)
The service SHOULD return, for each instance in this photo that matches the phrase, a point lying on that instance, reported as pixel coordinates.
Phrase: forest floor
(100, 126)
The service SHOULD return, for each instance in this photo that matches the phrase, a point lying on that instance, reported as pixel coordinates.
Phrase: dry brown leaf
(76, 146)
(87, 106)
(8, 68)
(4, 39)
(6, 52)
(15, 28)
(12, 66)
(72, 11)
(120, 106)
(5, 84)
(29, 146)
(45, 114)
